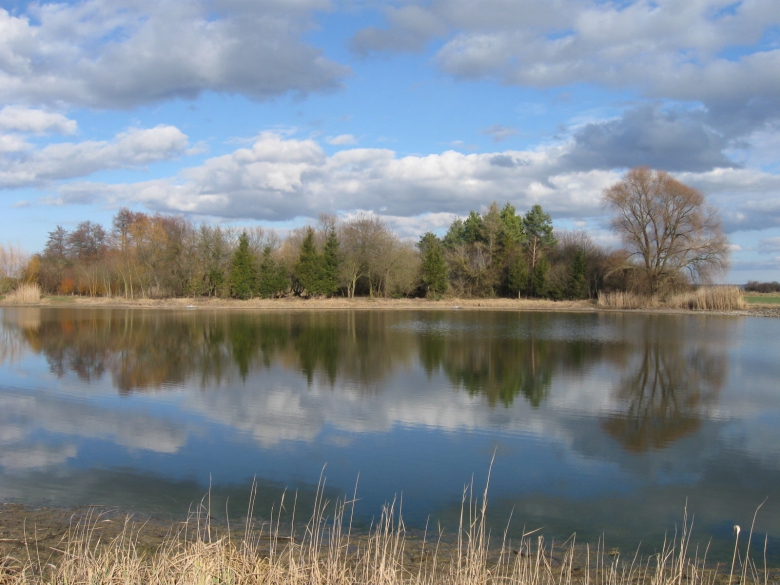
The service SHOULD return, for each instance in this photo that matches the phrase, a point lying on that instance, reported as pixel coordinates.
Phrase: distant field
(762, 299)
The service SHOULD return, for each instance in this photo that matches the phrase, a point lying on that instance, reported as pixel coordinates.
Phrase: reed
(24, 294)
(627, 300)
(327, 552)
(710, 298)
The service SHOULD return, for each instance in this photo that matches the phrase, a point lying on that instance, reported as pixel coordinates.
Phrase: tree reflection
(146, 350)
(676, 375)
(521, 360)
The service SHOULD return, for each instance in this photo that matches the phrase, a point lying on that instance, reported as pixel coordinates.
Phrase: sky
(270, 112)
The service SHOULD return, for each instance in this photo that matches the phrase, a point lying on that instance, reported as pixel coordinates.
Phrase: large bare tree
(668, 228)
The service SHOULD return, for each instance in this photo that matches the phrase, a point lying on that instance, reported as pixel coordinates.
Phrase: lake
(600, 424)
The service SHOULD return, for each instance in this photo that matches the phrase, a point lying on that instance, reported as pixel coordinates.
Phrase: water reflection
(670, 383)
(590, 415)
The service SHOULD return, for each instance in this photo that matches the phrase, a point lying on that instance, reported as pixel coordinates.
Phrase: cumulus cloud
(133, 148)
(281, 178)
(119, 54)
(35, 121)
(666, 49)
(647, 135)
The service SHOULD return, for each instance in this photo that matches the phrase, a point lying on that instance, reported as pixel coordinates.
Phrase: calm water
(600, 424)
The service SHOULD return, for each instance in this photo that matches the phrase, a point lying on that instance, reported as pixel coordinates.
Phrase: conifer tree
(331, 264)
(242, 272)
(308, 271)
(578, 286)
(272, 276)
(434, 268)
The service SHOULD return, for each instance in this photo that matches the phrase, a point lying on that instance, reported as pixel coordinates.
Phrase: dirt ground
(364, 303)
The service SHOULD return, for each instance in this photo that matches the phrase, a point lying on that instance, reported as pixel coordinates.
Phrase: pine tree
(518, 276)
(331, 264)
(272, 277)
(539, 232)
(539, 280)
(578, 286)
(242, 273)
(308, 271)
(434, 268)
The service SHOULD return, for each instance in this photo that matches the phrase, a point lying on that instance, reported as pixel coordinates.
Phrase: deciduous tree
(667, 227)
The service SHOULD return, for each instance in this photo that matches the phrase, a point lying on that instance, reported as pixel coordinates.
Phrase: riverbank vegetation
(327, 551)
(672, 242)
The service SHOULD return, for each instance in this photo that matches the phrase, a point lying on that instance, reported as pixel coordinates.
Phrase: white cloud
(280, 178)
(664, 48)
(133, 148)
(122, 53)
(341, 140)
(21, 119)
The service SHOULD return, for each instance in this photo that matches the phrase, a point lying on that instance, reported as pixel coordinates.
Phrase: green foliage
(272, 281)
(434, 268)
(518, 276)
(331, 264)
(242, 272)
(538, 226)
(455, 235)
(578, 285)
(540, 288)
(308, 269)
(317, 273)
(513, 229)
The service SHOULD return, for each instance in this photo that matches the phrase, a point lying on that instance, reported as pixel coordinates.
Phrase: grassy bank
(770, 299)
(326, 551)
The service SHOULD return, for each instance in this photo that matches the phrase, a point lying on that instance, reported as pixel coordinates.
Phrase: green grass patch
(762, 300)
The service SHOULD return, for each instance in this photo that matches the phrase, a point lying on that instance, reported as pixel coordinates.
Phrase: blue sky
(272, 111)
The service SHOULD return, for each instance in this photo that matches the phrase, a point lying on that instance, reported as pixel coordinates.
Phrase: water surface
(600, 424)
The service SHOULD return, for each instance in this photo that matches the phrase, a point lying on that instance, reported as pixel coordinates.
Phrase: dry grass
(327, 552)
(627, 300)
(25, 294)
(711, 298)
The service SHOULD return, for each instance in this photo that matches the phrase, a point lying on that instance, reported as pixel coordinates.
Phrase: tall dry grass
(24, 294)
(327, 552)
(711, 298)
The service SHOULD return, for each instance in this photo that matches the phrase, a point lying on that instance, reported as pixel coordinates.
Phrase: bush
(762, 287)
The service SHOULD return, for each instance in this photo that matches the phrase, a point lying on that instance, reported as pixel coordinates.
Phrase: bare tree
(669, 230)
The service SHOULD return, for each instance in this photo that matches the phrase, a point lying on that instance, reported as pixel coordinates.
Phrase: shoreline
(54, 530)
(367, 304)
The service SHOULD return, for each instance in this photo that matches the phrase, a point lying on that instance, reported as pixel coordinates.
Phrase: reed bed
(627, 300)
(710, 298)
(327, 552)
(24, 294)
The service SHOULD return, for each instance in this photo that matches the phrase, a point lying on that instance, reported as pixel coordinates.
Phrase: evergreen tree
(539, 231)
(539, 280)
(331, 263)
(518, 276)
(308, 271)
(578, 286)
(242, 273)
(434, 269)
(272, 276)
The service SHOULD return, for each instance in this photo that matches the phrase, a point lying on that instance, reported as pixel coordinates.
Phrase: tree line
(495, 253)
(671, 238)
